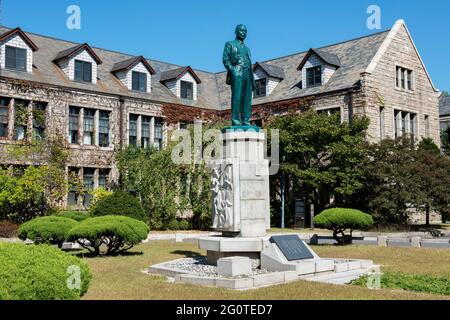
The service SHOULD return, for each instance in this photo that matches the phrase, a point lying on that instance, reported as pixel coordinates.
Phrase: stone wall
(380, 91)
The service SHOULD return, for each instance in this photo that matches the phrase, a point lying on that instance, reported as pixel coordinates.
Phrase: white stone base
(234, 266)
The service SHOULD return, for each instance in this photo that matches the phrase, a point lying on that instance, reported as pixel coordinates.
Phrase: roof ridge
(196, 69)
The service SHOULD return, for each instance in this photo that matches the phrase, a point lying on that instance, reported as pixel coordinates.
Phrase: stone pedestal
(240, 197)
(240, 186)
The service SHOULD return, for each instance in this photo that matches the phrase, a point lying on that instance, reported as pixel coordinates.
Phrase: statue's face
(241, 32)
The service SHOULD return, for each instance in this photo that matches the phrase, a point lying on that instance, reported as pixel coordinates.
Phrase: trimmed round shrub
(49, 230)
(339, 220)
(74, 215)
(41, 272)
(121, 204)
(109, 235)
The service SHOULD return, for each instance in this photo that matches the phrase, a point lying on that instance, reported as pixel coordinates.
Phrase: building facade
(103, 101)
(444, 112)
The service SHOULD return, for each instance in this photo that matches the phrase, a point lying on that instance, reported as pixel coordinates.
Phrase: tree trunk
(427, 215)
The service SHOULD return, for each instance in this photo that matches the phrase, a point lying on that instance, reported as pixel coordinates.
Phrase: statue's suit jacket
(232, 58)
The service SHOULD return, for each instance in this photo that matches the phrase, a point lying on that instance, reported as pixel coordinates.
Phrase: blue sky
(193, 32)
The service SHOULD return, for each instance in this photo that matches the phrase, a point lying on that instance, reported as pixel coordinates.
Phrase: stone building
(103, 100)
(444, 112)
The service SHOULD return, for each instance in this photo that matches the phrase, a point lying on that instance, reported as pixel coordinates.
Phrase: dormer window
(187, 90)
(134, 73)
(16, 58)
(139, 81)
(16, 51)
(183, 82)
(79, 63)
(83, 71)
(314, 76)
(317, 67)
(260, 90)
(267, 77)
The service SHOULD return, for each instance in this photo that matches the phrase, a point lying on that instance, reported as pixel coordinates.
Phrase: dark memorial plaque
(292, 247)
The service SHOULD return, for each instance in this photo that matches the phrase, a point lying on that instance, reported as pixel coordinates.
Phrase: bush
(74, 215)
(338, 220)
(116, 233)
(98, 195)
(40, 273)
(8, 229)
(182, 224)
(50, 230)
(121, 204)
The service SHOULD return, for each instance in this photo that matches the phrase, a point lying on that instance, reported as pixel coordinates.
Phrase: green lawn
(121, 277)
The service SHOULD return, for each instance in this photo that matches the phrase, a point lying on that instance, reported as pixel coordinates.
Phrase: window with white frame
(103, 129)
(158, 133)
(74, 116)
(381, 114)
(89, 127)
(405, 123)
(4, 117)
(133, 128)
(39, 118)
(103, 178)
(145, 132)
(403, 78)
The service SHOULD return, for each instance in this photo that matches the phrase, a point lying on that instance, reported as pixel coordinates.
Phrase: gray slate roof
(444, 106)
(176, 73)
(213, 93)
(272, 71)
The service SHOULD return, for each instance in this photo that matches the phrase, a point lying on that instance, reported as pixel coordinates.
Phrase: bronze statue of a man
(237, 61)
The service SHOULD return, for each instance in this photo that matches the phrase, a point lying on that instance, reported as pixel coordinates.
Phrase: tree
(22, 193)
(400, 179)
(445, 141)
(321, 156)
(339, 220)
(27, 192)
(428, 144)
(432, 192)
(167, 189)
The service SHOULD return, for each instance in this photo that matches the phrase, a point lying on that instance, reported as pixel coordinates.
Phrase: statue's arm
(226, 58)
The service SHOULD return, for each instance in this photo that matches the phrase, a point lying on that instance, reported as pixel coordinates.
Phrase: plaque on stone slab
(292, 247)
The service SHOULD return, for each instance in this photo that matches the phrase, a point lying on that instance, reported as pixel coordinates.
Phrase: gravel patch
(199, 267)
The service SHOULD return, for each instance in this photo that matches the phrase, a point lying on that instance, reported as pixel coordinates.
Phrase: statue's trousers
(241, 99)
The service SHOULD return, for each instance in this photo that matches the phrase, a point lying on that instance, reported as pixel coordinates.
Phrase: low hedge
(339, 220)
(121, 204)
(50, 230)
(41, 272)
(114, 233)
(410, 282)
(75, 215)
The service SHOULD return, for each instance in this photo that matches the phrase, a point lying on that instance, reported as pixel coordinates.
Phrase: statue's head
(241, 32)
